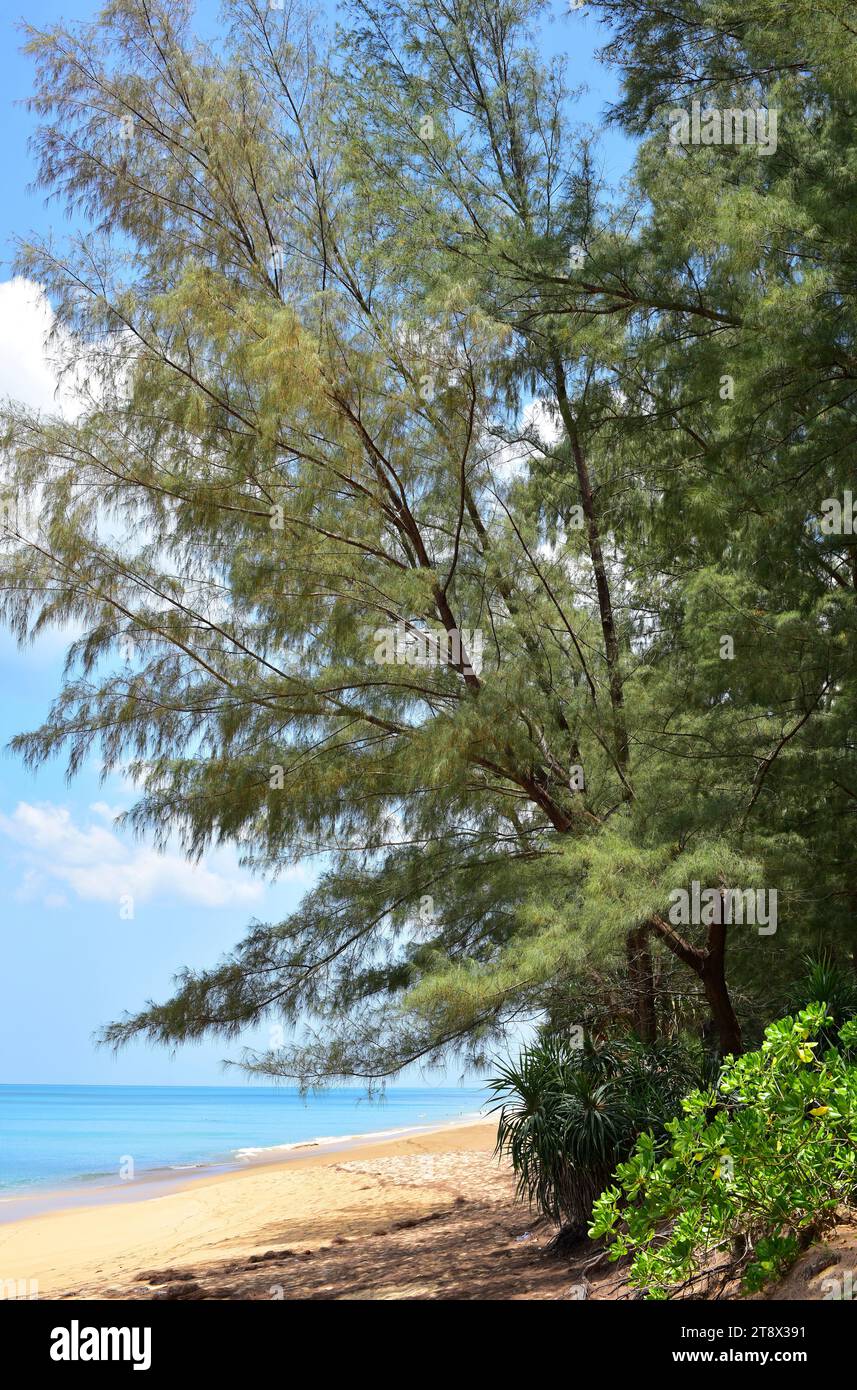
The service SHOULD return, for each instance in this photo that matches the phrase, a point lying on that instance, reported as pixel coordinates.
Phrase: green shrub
(829, 982)
(751, 1171)
(569, 1114)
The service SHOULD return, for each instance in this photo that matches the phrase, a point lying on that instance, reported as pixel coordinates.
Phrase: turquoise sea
(74, 1136)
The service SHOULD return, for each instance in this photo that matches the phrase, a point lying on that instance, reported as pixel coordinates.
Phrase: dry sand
(431, 1215)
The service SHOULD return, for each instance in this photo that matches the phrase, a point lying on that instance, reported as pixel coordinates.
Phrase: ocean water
(74, 1136)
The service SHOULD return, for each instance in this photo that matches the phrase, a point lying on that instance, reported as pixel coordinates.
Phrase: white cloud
(106, 812)
(543, 416)
(96, 865)
(509, 460)
(28, 364)
(29, 374)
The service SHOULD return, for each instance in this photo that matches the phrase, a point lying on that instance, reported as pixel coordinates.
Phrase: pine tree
(409, 463)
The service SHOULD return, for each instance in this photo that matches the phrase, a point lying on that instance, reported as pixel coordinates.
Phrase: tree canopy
(365, 346)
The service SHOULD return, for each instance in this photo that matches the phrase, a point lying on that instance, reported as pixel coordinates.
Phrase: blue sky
(68, 961)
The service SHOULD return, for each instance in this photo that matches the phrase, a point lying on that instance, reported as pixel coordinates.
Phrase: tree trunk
(710, 965)
(602, 585)
(713, 974)
(642, 978)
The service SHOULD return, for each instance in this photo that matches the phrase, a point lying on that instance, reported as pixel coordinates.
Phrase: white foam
(367, 1136)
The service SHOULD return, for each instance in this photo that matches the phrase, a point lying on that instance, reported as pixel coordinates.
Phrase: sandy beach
(428, 1215)
(420, 1216)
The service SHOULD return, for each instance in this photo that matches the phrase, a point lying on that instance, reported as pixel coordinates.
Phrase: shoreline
(338, 1192)
(432, 1216)
(107, 1190)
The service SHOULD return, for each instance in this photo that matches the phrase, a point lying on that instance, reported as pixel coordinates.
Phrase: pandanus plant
(569, 1114)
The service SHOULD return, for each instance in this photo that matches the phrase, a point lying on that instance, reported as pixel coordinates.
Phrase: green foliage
(337, 369)
(568, 1114)
(827, 981)
(749, 1172)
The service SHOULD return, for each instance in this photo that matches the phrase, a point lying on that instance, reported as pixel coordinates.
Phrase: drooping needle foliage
(432, 509)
